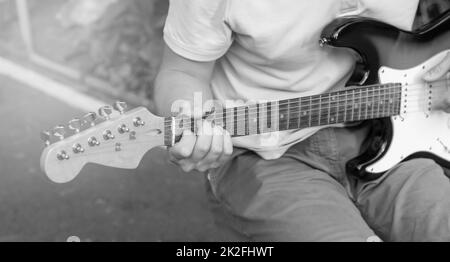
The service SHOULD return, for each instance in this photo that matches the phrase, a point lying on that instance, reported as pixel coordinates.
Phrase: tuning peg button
(90, 118)
(138, 122)
(45, 136)
(92, 141)
(62, 155)
(123, 129)
(75, 125)
(77, 148)
(59, 132)
(105, 112)
(107, 135)
(120, 106)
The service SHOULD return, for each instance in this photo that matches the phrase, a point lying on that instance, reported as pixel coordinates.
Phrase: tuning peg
(120, 106)
(45, 136)
(59, 132)
(90, 118)
(62, 155)
(105, 112)
(75, 125)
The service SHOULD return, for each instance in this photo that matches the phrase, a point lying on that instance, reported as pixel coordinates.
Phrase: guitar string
(331, 116)
(341, 109)
(241, 109)
(327, 115)
(241, 112)
(357, 115)
(366, 112)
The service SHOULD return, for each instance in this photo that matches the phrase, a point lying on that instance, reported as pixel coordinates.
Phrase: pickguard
(417, 128)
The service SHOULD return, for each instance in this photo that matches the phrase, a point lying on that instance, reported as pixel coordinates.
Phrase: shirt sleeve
(197, 29)
(399, 13)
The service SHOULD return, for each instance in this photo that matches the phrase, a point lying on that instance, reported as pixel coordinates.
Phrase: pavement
(155, 202)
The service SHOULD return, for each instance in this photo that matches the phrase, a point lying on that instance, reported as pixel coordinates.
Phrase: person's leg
(288, 200)
(409, 203)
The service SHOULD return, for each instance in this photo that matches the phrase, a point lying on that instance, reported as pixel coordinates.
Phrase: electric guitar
(386, 89)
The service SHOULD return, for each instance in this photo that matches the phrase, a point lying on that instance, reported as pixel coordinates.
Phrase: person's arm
(178, 79)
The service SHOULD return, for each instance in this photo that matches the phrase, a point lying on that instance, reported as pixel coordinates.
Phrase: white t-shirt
(268, 49)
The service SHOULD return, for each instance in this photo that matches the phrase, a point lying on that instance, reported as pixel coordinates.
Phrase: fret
(364, 103)
(333, 115)
(283, 110)
(331, 98)
(315, 110)
(381, 102)
(193, 129)
(240, 121)
(384, 100)
(310, 111)
(371, 101)
(397, 99)
(253, 119)
(342, 106)
(275, 116)
(346, 98)
(305, 105)
(324, 113)
(352, 106)
(357, 103)
(258, 122)
(263, 118)
(392, 102)
(294, 113)
(299, 113)
(246, 122)
(389, 109)
(288, 117)
(230, 120)
(224, 118)
(269, 115)
(319, 115)
(232, 125)
(378, 100)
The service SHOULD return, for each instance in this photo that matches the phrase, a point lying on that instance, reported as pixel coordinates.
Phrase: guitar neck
(349, 105)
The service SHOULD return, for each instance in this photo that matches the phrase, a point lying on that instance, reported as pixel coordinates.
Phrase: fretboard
(349, 105)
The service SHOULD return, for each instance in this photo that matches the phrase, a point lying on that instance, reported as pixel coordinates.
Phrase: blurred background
(105, 50)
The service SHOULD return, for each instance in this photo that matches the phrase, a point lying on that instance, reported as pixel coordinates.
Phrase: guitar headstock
(111, 137)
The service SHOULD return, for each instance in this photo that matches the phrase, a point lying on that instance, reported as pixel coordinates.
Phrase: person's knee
(410, 203)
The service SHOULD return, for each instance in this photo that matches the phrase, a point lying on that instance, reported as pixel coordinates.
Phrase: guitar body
(386, 54)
